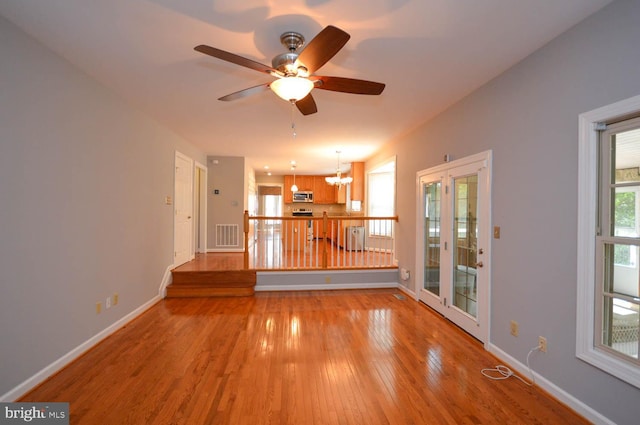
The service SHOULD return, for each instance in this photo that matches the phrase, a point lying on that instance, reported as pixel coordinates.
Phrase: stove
(302, 212)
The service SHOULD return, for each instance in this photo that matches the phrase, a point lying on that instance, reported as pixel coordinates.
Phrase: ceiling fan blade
(307, 105)
(323, 47)
(348, 85)
(245, 93)
(233, 58)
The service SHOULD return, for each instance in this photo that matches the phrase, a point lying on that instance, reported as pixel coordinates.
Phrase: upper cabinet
(288, 195)
(323, 192)
(357, 186)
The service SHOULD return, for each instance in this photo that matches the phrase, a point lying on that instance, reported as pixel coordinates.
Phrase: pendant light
(294, 188)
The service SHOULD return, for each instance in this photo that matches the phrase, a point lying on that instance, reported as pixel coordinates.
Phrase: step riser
(196, 292)
(232, 283)
(231, 278)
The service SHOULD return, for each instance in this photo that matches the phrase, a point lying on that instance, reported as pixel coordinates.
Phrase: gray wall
(227, 207)
(83, 178)
(529, 118)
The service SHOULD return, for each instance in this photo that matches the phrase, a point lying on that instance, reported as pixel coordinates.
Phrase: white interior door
(453, 255)
(183, 210)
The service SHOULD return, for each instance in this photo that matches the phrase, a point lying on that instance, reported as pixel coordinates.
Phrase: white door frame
(200, 229)
(482, 321)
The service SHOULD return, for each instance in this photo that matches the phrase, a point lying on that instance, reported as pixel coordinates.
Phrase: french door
(453, 245)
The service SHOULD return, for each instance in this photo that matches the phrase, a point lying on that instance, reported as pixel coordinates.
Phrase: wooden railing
(318, 242)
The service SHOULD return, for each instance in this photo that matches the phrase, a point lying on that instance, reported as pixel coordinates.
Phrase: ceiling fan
(294, 71)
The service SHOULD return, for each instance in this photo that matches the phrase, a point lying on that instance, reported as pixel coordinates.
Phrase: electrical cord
(503, 372)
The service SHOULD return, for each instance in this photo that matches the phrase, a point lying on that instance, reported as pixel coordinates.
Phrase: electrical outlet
(514, 328)
(107, 303)
(542, 344)
(98, 308)
(327, 279)
(115, 299)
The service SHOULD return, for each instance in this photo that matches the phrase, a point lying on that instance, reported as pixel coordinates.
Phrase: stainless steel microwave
(303, 197)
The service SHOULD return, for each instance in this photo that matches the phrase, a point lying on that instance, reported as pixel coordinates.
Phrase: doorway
(453, 254)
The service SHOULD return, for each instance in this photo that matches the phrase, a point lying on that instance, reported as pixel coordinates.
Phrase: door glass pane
(465, 239)
(432, 219)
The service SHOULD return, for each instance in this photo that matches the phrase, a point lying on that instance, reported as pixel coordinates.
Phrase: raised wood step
(228, 283)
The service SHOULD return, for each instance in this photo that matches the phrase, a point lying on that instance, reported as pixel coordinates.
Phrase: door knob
(479, 264)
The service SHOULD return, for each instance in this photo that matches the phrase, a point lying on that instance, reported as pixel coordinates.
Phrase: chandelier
(338, 180)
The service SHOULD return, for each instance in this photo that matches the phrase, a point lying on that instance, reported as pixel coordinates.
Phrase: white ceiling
(429, 53)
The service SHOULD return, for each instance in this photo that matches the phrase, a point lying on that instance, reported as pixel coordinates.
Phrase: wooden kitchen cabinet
(288, 195)
(357, 185)
(323, 192)
(304, 183)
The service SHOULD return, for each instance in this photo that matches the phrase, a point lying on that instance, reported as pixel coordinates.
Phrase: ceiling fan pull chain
(293, 123)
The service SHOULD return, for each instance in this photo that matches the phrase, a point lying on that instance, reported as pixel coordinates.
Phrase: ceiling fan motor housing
(286, 62)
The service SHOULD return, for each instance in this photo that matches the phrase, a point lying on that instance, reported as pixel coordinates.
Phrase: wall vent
(226, 235)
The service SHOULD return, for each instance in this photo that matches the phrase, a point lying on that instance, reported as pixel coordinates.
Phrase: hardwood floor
(335, 357)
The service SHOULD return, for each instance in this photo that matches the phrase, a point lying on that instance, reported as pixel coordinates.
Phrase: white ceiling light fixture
(292, 88)
(338, 180)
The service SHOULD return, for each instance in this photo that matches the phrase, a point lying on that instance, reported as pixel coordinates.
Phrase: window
(381, 197)
(608, 333)
(617, 241)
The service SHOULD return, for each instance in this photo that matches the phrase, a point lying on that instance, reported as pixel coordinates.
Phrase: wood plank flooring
(334, 357)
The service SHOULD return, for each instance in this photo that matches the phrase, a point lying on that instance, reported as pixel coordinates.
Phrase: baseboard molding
(557, 392)
(325, 286)
(225, 249)
(72, 355)
(166, 281)
(408, 291)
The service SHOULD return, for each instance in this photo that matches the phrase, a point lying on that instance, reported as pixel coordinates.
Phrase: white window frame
(587, 217)
(383, 232)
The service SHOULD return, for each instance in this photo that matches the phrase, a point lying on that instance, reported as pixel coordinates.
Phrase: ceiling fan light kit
(292, 89)
(294, 72)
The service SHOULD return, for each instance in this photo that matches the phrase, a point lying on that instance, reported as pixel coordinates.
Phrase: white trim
(408, 291)
(202, 231)
(587, 192)
(561, 395)
(72, 355)
(167, 278)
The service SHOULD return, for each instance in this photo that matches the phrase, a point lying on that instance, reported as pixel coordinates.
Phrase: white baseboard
(225, 250)
(63, 361)
(167, 278)
(560, 394)
(408, 291)
(325, 286)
